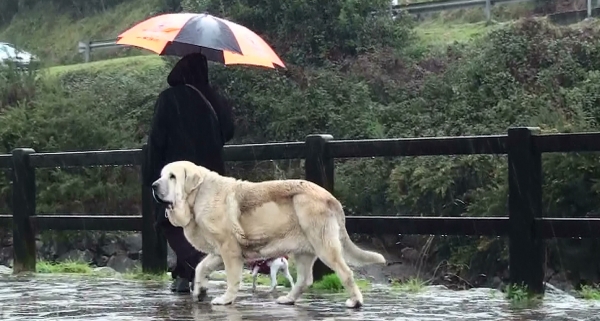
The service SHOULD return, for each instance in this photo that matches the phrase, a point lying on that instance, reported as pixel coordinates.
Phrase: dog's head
(177, 180)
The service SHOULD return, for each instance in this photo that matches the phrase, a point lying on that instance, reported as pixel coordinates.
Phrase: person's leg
(187, 256)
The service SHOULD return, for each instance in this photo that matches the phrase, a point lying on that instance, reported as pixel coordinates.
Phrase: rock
(6, 255)
(121, 263)
(389, 240)
(410, 255)
(89, 241)
(133, 243)
(105, 271)
(110, 249)
(7, 240)
(135, 255)
(77, 256)
(5, 270)
(101, 261)
(497, 283)
(53, 249)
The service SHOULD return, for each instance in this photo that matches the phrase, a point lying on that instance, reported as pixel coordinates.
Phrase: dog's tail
(353, 254)
(357, 256)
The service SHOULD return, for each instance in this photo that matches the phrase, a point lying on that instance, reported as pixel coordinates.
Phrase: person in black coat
(191, 122)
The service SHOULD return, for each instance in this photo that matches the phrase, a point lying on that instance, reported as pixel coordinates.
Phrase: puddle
(56, 297)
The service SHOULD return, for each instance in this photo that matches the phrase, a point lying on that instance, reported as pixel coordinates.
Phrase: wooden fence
(524, 225)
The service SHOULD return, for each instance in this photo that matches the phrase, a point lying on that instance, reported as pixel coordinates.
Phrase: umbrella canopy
(220, 40)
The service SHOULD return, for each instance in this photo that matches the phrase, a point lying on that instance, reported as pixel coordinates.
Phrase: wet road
(52, 297)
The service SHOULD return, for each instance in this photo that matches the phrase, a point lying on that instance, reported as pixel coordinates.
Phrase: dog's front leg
(210, 263)
(232, 258)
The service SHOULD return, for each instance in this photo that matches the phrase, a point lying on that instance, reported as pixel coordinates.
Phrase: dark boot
(180, 285)
(187, 257)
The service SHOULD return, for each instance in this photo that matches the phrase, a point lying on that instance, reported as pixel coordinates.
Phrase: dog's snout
(155, 185)
(156, 193)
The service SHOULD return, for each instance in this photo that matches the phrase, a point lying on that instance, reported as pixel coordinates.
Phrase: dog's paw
(285, 300)
(353, 304)
(199, 293)
(221, 300)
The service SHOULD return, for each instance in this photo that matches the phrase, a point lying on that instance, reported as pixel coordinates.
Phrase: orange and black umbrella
(220, 40)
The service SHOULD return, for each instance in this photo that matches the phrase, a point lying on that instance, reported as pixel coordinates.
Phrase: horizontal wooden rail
(256, 152)
(550, 228)
(563, 143)
(547, 228)
(248, 152)
(424, 225)
(67, 222)
(87, 158)
(426, 146)
(88, 222)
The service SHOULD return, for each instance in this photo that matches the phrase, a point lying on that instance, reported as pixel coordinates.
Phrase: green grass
(142, 62)
(138, 275)
(520, 296)
(435, 33)
(412, 285)
(82, 268)
(590, 292)
(332, 283)
(71, 267)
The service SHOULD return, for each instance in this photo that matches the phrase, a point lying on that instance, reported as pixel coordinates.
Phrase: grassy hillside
(53, 34)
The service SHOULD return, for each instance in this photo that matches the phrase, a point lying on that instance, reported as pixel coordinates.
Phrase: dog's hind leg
(286, 271)
(254, 276)
(234, 213)
(304, 278)
(330, 252)
(209, 264)
(275, 266)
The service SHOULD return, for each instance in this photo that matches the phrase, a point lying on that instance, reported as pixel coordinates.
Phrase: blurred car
(9, 53)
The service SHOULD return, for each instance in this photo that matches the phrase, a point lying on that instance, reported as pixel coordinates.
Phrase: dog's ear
(192, 180)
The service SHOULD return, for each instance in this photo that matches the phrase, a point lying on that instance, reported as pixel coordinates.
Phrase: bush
(307, 32)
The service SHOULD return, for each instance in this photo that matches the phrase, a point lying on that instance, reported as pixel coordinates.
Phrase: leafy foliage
(309, 31)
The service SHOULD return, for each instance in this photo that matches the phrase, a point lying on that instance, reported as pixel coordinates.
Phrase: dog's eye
(171, 176)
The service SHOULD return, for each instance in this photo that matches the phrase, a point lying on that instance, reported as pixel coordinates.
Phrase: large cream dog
(233, 220)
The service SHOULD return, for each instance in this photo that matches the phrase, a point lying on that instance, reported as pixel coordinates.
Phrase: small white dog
(270, 267)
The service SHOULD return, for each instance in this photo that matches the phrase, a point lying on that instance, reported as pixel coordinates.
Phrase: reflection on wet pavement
(87, 298)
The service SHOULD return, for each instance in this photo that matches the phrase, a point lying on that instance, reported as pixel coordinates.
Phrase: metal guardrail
(442, 5)
(86, 47)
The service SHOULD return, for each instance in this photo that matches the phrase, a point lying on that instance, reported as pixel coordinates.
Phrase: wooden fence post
(318, 168)
(23, 205)
(154, 244)
(526, 249)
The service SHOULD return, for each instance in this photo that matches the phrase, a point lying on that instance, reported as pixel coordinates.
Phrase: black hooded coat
(183, 126)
